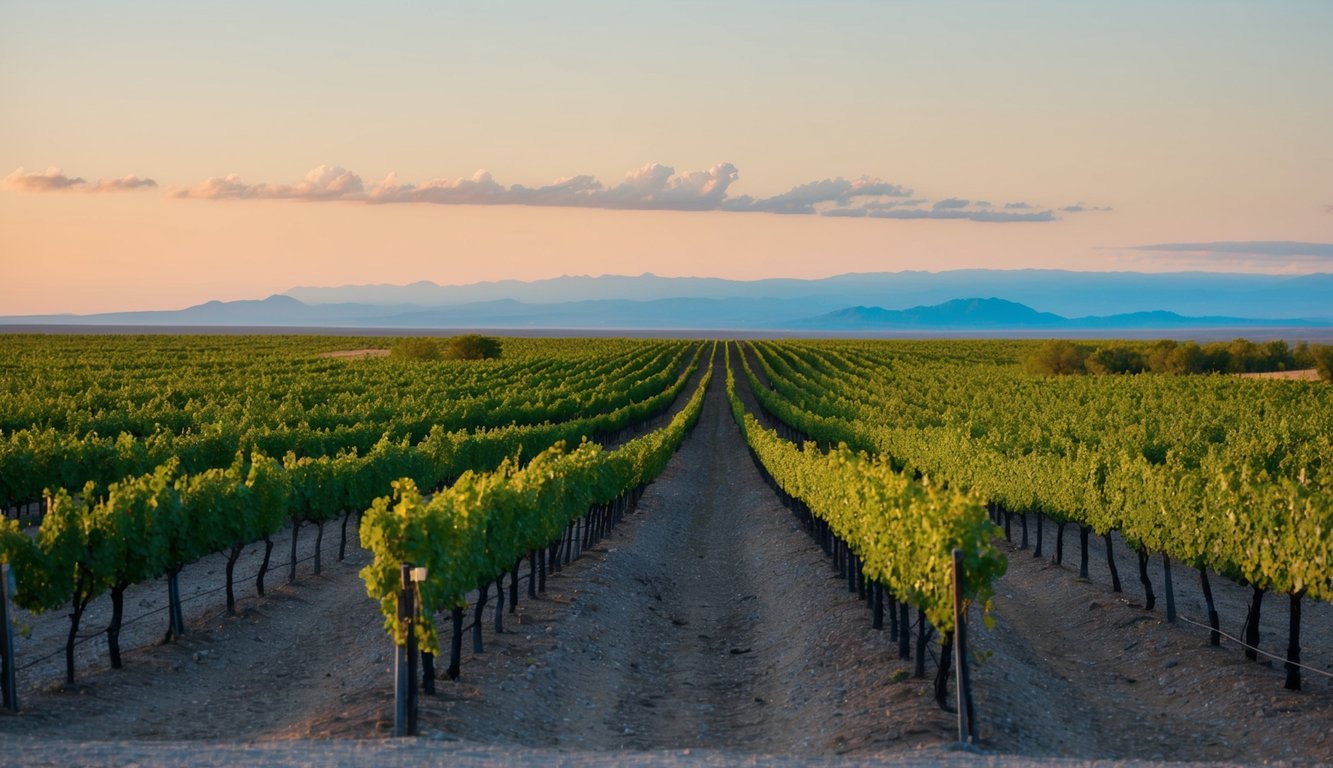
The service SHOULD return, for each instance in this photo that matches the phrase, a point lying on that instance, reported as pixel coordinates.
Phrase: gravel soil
(706, 630)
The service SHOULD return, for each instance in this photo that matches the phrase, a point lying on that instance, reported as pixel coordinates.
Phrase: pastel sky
(155, 155)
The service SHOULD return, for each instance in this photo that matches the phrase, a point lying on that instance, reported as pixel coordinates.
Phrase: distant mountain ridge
(998, 314)
(971, 315)
(958, 313)
(1066, 293)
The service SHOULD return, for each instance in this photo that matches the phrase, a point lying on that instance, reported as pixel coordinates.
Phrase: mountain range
(1019, 300)
(1063, 292)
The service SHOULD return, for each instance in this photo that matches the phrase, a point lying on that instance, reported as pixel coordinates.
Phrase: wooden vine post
(405, 656)
(8, 675)
(967, 719)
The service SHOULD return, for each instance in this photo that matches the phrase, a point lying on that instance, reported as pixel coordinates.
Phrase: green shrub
(1115, 359)
(472, 347)
(1057, 357)
(1323, 360)
(1185, 358)
(1156, 357)
(416, 348)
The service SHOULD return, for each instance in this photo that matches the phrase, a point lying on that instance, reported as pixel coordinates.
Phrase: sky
(155, 155)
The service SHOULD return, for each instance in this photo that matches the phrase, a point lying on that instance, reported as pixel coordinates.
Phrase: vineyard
(1214, 473)
(130, 466)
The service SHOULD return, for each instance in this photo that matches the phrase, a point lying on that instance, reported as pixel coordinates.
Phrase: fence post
(413, 682)
(403, 724)
(967, 721)
(1170, 591)
(8, 665)
(175, 614)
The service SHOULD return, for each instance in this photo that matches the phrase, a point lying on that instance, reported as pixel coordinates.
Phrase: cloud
(947, 213)
(848, 213)
(55, 180)
(1001, 217)
(950, 203)
(871, 205)
(480, 189)
(322, 183)
(658, 187)
(650, 187)
(51, 180)
(575, 190)
(122, 184)
(804, 198)
(1273, 249)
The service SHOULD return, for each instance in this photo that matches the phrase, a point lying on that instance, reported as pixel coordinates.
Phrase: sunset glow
(156, 157)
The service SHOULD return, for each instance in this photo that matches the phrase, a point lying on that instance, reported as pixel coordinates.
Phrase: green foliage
(1245, 356)
(1117, 358)
(265, 498)
(47, 568)
(346, 433)
(1167, 356)
(78, 409)
(472, 347)
(1322, 356)
(1184, 359)
(466, 347)
(416, 348)
(157, 450)
(1217, 471)
(903, 530)
(137, 517)
(473, 531)
(1057, 357)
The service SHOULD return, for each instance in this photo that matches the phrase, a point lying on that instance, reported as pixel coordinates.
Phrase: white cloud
(322, 183)
(652, 186)
(806, 198)
(56, 180)
(1264, 249)
(125, 183)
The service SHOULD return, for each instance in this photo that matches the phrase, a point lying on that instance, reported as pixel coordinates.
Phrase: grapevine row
(901, 531)
(103, 540)
(37, 458)
(1137, 455)
(483, 525)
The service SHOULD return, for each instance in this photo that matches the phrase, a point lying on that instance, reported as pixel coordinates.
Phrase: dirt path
(356, 354)
(708, 621)
(1079, 670)
(1306, 374)
(708, 630)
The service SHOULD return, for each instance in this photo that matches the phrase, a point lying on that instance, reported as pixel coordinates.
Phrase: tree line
(1061, 357)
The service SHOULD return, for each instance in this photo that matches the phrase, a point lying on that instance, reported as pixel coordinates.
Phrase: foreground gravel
(401, 753)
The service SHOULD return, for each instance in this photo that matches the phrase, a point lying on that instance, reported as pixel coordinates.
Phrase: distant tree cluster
(1323, 360)
(1058, 358)
(415, 348)
(467, 347)
(1062, 358)
(472, 347)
